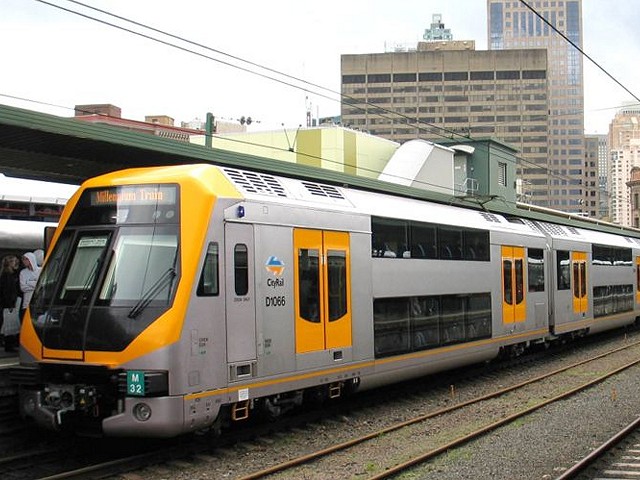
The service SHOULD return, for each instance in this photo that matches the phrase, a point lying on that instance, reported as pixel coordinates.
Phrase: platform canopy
(40, 146)
(46, 147)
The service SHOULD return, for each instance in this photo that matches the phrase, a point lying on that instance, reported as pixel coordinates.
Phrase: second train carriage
(175, 298)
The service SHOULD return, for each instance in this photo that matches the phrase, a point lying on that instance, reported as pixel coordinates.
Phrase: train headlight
(142, 412)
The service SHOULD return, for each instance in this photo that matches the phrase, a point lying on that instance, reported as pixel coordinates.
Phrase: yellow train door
(514, 307)
(322, 290)
(579, 282)
(637, 279)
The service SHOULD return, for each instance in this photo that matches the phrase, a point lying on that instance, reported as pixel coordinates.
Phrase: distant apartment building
(448, 91)
(624, 155)
(511, 25)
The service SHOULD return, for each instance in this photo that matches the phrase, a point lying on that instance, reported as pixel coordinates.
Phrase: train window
(563, 270)
(389, 238)
(309, 284)
(85, 265)
(337, 283)
(606, 255)
(476, 244)
(408, 324)
(241, 269)
(391, 326)
(209, 284)
(150, 252)
(425, 317)
(623, 256)
(601, 255)
(612, 299)
(51, 273)
(450, 239)
(452, 321)
(535, 269)
(576, 276)
(478, 316)
(507, 293)
(519, 268)
(424, 240)
(394, 238)
(583, 279)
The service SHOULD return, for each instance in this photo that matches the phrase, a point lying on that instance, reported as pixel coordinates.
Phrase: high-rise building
(595, 165)
(634, 195)
(624, 154)
(448, 90)
(512, 25)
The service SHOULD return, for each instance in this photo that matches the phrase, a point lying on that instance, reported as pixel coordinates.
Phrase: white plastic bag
(11, 322)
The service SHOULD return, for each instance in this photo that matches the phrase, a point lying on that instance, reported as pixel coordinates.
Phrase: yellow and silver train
(176, 299)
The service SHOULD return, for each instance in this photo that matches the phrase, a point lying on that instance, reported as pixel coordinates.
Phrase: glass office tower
(511, 25)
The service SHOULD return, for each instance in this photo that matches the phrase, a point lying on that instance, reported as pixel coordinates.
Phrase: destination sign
(134, 195)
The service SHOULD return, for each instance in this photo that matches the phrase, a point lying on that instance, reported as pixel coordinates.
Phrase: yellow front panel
(200, 186)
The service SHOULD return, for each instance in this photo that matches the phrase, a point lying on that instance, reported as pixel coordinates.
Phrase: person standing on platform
(28, 279)
(39, 257)
(10, 301)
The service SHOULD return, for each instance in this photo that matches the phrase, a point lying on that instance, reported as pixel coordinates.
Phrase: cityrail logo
(275, 266)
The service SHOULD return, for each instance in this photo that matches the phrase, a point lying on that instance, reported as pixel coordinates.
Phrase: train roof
(307, 193)
(43, 146)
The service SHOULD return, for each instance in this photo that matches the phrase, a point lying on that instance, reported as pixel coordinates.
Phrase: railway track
(616, 458)
(403, 445)
(100, 458)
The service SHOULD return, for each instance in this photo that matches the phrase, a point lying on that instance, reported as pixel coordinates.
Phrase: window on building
(404, 77)
(502, 174)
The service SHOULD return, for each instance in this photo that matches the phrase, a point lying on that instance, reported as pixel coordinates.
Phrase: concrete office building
(449, 91)
(511, 25)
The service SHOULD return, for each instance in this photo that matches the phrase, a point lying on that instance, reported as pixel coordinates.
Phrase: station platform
(8, 359)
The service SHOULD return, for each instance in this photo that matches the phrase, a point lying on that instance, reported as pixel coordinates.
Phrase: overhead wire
(354, 102)
(577, 47)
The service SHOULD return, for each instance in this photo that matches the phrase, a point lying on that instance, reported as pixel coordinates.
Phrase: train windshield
(104, 282)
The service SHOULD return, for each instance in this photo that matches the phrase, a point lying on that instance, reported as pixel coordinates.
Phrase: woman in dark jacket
(9, 293)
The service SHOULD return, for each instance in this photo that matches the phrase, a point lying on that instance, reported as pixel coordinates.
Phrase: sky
(54, 59)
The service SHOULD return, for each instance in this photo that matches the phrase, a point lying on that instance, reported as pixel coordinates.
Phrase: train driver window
(209, 285)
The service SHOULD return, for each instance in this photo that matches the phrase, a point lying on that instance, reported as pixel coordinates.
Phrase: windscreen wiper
(86, 288)
(153, 291)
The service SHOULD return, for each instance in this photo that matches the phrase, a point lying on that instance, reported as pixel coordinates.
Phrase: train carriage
(176, 299)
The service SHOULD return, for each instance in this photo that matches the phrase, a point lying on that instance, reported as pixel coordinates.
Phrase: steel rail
(353, 442)
(594, 455)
